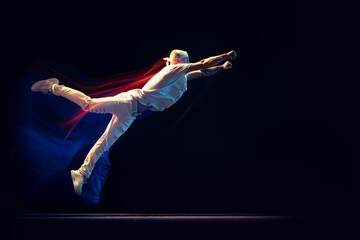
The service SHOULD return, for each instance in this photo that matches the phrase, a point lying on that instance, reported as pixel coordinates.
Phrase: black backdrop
(276, 134)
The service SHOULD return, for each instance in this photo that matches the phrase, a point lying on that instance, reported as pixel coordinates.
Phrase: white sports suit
(160, 92)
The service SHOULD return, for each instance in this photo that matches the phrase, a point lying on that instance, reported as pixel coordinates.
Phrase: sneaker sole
(37, 87)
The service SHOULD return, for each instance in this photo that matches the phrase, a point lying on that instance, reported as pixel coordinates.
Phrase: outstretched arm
(208, 71)
(212, 61)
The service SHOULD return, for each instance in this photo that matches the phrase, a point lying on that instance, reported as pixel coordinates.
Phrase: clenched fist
(227, 65)
(231, 55)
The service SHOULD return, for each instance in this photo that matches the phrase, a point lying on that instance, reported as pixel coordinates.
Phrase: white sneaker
(78, 181)
(44, 86)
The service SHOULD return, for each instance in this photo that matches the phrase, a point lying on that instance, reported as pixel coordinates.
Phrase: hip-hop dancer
(162, 91)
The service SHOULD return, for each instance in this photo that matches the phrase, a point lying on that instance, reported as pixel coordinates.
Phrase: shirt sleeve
(181, 69)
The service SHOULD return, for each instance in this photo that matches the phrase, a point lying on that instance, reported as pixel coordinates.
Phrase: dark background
(278, 133)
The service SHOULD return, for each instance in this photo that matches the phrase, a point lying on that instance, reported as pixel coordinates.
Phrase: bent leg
(114, 130)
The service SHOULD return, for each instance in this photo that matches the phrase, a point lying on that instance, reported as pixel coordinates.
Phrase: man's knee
(86, 104)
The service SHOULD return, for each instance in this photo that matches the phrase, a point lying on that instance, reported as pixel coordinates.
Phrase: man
(160, 92)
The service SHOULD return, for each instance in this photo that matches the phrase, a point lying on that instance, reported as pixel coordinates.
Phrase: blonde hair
(176, 53)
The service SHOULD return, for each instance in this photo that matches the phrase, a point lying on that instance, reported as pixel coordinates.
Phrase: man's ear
(177, 60)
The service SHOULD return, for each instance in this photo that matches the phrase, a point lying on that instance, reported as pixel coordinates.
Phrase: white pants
(123, 108)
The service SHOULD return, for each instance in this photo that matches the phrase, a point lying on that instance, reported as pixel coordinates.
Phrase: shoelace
(83, 177)
(84, 180)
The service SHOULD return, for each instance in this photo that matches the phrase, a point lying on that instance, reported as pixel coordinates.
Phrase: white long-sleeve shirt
(164, 89)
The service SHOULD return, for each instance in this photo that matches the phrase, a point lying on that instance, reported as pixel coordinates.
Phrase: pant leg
(113, 131)
(124, 108)
(73, 95)
(117, 105)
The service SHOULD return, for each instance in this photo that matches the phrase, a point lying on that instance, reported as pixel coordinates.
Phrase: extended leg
(114, 130)
(52, 86)
(118, 105)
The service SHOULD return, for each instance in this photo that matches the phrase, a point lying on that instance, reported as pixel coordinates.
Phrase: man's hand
(227, 65)
(212, 61)
(231, 55)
